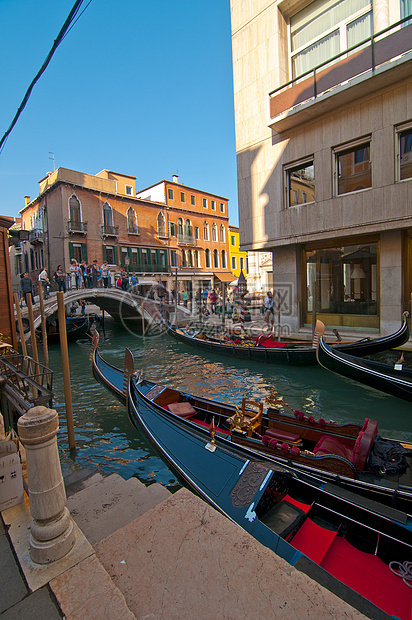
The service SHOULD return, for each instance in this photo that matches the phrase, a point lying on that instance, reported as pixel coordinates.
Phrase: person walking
(213, 301)
(45, 283)
(60, 278)
(26, 288)
(184, 297)
(134, 281)
(205, 295)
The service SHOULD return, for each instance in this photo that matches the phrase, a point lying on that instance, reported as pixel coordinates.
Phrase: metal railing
(36, 234)
(76, 226)
(30, 379)
(143, 268)
(110, 231)
(183, 239)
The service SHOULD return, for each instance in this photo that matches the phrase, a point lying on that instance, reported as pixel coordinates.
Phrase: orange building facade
(153, 233)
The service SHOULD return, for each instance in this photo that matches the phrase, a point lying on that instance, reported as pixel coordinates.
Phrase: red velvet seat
(282, 435)
(331, 445)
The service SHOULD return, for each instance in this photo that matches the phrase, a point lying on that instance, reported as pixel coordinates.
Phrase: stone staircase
(101, 506)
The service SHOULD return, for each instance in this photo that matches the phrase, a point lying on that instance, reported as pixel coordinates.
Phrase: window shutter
(104, 253)
(84, 252)
(115, 254)
(71, 250)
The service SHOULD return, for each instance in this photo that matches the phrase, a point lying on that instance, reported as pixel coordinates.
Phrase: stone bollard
(52, 534)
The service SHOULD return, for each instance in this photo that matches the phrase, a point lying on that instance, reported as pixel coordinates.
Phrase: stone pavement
(148, 554)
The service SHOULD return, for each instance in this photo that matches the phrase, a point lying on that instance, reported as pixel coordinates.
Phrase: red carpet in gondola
(313, 540)
(369, 576)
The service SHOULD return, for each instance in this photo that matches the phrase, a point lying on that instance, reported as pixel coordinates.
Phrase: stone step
(111, 503)
(81, 479)
(87, 591)
(122, 513)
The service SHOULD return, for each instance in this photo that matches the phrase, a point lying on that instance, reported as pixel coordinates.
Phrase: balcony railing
(360, 62)
(36, 235)
(143, 268)
(74, 226)
(183, 239)
(110, 231)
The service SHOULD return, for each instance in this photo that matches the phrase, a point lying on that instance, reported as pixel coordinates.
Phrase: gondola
(351, 548)
(265, 347)
(76, 327)
(292, 439)
(384, 377)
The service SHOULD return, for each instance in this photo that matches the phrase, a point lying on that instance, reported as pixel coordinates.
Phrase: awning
(225, 276)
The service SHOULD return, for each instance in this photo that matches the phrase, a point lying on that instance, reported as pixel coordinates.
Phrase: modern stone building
(164, 228)
(323, 113)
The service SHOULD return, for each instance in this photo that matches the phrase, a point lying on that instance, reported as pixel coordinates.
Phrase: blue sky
(139, 87)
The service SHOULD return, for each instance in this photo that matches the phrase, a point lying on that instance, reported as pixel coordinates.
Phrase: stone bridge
(121, 305)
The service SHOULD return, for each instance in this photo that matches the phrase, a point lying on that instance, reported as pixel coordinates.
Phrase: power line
(67, 26)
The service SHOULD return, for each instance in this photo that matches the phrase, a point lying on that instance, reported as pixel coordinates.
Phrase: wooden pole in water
(44, 334)
(223, 305)
(143, 325)
(20, 325)
(176, 294)
(64, 350)
(32, 329)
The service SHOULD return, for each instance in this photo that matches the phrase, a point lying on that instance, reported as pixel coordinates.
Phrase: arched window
(131, 221)
(189, 258)
(206, 231)
(180, 226)
(223, 259)
(107, 216)
(207, 259)
(183, 259)
(188, 228)
(214, 232)
(196, 259)
(215, 259)
(74, 210)
(161, 224)
(222, 233)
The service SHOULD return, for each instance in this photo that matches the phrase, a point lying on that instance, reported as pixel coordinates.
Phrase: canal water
(107, 441)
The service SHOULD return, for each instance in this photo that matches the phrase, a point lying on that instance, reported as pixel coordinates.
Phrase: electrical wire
(67, 26)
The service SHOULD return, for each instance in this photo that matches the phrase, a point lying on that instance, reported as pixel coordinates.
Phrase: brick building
(152, 233)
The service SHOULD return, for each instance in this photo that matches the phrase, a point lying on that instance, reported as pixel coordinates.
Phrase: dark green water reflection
(106, 440)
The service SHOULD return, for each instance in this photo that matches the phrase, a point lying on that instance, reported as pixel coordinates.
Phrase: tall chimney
(26, 200)
(175, 178)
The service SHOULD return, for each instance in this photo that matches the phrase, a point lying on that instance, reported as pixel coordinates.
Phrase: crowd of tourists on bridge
(80, 276)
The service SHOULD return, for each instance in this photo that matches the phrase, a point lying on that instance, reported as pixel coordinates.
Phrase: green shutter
(71, 250)
(115, 254)
(104, 253)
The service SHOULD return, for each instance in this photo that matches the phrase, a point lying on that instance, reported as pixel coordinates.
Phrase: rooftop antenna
(54, 165)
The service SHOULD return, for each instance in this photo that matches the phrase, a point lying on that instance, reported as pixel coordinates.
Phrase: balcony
(183, 239)
(36, 236)
(380, 60)
(110, 231)
(143, 268)
(75, 226)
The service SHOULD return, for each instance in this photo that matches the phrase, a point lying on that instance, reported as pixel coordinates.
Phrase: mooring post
(52, 534)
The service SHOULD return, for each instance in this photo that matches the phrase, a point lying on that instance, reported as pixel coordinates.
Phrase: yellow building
(238, 259)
